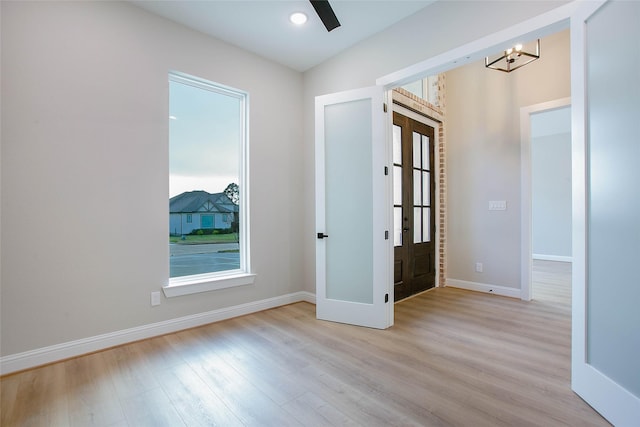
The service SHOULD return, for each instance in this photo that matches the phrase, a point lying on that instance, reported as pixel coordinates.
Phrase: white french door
(606, 333)
(352, 245)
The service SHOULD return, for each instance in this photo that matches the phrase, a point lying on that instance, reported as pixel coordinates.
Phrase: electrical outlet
(155, 298)
(479, 267)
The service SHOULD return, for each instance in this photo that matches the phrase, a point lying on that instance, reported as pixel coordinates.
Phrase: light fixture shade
(513, 58)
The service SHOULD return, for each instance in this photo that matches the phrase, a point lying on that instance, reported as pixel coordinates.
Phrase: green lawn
(199, 240)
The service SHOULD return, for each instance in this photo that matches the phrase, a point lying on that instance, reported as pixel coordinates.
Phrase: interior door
(605, 358)
(413, 215)
(352, 240)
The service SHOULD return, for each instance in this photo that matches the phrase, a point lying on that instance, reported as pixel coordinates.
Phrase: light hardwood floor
(453, 358)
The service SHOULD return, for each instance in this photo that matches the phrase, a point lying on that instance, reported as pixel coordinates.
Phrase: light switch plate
(497, 205)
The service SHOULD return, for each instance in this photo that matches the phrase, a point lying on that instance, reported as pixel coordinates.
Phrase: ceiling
(263, 27)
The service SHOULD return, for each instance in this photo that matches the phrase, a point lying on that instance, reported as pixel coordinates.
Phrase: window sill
(204, 283)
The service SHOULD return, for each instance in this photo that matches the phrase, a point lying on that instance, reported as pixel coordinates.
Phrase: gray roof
(193, 201)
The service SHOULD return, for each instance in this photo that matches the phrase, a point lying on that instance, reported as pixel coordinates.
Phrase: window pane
(206, 137)
(425, 152)
(417, 225)
(417, 190)
(416, 150)
(426, 189)
(397, 226)
(426, 222)
(397, 145)
(415, 88)
(397, 185)
(432, 90)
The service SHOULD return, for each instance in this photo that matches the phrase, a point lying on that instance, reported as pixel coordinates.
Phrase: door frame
(609, 398)
(401, 109)
(526, 196)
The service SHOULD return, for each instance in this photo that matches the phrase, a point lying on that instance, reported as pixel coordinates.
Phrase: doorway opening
(414, 201)
(546, 175)
(547, 143)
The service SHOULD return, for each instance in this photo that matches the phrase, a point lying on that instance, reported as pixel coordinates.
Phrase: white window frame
(197, 283)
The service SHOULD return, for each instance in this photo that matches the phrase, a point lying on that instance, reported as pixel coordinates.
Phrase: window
(426, 89)
(207, 182)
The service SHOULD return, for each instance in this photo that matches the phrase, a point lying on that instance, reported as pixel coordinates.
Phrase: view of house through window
(206, 141)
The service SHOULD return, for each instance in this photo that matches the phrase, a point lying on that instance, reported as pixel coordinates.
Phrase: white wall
(85, 145)
(438, 28)
(551, 194)
(483, 159)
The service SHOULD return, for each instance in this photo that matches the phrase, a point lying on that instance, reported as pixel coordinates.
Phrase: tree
(233, 193)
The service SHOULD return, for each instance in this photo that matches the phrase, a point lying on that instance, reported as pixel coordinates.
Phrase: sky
(204, 139)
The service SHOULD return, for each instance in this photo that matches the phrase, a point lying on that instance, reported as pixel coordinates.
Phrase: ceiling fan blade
(326, 14)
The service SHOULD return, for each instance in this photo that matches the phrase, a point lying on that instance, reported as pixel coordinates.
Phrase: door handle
(322, 235)
(405, 229)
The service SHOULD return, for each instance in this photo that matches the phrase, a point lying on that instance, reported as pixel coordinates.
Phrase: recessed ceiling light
(298, 18)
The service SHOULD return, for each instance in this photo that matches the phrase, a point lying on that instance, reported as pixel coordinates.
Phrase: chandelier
(513, 58)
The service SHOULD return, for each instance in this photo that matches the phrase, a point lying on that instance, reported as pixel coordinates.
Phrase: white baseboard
(615, 403)
(308, 297)
(560, 258)
(484, 287)
(41, 356)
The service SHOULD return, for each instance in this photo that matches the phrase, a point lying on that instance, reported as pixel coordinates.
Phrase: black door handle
(405, 229)
(322, 235)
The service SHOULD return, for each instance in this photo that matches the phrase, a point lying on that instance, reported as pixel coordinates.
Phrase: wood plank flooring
(453, 358)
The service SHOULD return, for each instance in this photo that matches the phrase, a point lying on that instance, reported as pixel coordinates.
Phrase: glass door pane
(425, 152)
(397, 185)
(426, 188)
(426, 221)
(417, 187)
(613, 243)
(397, 226)
(417, 145)
(397, 145)
(417, 225)
(349, 197)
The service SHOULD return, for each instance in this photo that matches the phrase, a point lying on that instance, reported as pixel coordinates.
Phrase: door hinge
(386, 170)
(384, 107)
(386, 298)
(386, 234)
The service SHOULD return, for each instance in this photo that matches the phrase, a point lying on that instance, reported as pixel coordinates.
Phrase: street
(186, 260)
